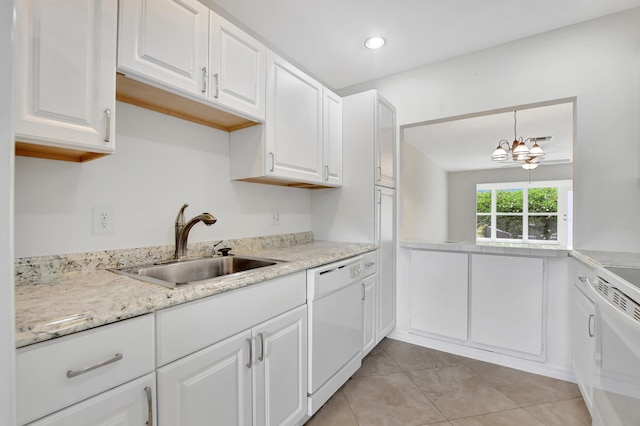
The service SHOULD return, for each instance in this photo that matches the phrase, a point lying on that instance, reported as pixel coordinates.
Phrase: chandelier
(519, 150)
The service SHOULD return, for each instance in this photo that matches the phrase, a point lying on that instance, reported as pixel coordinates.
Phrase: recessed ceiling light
(375, 42)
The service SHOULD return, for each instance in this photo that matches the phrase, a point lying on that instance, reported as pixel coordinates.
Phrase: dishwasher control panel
(355, 270)
(328, 278)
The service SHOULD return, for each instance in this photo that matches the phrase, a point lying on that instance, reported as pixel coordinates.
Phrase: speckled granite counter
(542, 250)
(66, 299)
(596, 259)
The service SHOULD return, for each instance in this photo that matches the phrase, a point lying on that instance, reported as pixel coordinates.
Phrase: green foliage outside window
(541, 220)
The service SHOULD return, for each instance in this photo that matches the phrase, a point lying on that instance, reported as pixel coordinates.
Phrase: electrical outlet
(103, 220)
(275, 217)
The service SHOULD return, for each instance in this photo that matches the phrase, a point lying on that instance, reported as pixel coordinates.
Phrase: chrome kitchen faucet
(182, 230)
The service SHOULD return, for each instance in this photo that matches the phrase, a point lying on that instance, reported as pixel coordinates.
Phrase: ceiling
(467, 144)
(326, 37)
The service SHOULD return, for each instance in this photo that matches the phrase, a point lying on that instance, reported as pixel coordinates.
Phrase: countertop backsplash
(44, 268)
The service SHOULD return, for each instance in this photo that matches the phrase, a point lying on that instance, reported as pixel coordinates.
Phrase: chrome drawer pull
(75, 373)
(250, 353)
(107, 130)
(149, 406)
(591, 321)
(204, 79)
(217, 78)
(261, 357)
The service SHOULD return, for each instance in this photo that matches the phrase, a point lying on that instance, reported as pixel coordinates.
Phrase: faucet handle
(180, 217)
(225, 251)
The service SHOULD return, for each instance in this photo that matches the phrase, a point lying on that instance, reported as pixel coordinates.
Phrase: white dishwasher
(335, 321)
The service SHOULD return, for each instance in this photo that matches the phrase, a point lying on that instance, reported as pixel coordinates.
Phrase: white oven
(616, 380)
(335, 324)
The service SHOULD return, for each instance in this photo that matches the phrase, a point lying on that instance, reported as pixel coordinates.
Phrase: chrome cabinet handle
(273, 161)
(217, 79)
(72, 373)
(204, 79)
(364, 292)
(149, 406)
(250, 353)
(379, 173)
(582, 279)
(590, 321)
(326, 173)
(261, 357)
(369, 264)
(107, 129)
(379, 197)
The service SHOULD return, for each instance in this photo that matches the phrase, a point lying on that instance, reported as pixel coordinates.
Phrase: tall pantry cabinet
(363, 209)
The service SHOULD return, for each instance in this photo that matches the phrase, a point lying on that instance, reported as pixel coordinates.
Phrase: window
(532, 212)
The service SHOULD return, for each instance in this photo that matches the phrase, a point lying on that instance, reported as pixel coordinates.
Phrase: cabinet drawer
(370, 261)
(189, 327)
(120, 351)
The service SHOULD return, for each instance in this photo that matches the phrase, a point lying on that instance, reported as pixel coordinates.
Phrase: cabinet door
(369, 314)
(294, 123)
(280, 369)
(237, 70)
(385, 143)
(128, 404)
(165, 41)
(332, 135)
(439, 286)
(385, 239)
(583, 344)
(507, 296)
(211, 385)
(65, 73)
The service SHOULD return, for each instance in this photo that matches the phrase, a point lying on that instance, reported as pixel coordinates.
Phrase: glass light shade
(499, 154)
(521, 152)
(375, 42)
(536, 151)
(530, 164)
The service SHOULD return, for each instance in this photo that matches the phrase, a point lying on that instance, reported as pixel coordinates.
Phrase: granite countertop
(597, 259)
(542, 250)
(72, 301)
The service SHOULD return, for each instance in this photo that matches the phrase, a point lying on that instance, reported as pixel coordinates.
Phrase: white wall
(462, 192)
(160, 163)
(597, 62)
(7, 315)
(423, 198)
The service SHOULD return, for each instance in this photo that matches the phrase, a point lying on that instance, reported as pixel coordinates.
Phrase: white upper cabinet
(65, 78)
(165, 41)
(182, 47)
(385, 143)
(300, 143)
(332, 134)
(237, 68)
(294, 123)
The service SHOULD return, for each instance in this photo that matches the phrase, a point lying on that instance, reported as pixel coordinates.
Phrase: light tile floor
(407, 385)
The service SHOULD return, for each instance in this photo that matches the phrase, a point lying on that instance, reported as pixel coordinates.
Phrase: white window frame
(565, 222)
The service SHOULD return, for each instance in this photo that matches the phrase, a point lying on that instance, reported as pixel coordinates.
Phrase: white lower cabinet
(385, 238)
(369, 340)
(439, 286)
(130, 404)
(59, 373)
(212, 385)
(583, 329)
(256, 377)
(507, 309)
(491, 302)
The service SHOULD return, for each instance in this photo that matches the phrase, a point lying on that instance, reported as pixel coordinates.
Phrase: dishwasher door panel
(335, 333)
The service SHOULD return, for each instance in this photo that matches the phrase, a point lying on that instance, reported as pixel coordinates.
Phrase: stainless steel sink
(181, 272)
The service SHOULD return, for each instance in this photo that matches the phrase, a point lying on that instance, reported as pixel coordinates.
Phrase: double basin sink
(176, 273)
